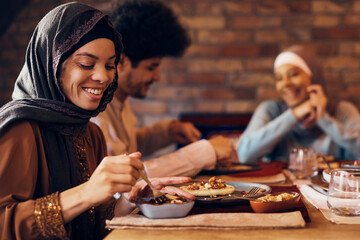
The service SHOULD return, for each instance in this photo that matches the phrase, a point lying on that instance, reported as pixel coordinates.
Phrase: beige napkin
(224, 221)
(320, 202)
(278, 178)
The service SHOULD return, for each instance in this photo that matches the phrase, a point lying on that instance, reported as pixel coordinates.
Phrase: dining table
(316, 225)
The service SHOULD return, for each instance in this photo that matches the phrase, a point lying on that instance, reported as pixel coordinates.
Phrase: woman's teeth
(93, 91)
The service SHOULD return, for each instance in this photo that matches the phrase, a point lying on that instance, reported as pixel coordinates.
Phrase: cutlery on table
(159, 197)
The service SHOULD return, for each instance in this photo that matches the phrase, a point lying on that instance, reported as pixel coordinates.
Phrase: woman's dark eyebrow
(92, 56)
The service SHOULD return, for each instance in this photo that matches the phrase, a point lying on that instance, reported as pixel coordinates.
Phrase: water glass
(303, 162)
(344, 192)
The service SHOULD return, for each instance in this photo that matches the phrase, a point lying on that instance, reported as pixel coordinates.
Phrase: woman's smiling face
(291, 84)
(87, 73)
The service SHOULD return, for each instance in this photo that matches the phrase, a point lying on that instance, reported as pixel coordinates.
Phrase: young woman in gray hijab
(56, 181)
(304, 117)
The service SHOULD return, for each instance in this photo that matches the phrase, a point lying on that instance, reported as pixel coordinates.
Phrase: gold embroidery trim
(49, 217)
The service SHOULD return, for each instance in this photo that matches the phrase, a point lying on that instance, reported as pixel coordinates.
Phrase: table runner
(224, 221)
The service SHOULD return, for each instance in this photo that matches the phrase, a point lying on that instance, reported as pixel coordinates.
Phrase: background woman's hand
(318, 100)
(114, 174)
(305, 113)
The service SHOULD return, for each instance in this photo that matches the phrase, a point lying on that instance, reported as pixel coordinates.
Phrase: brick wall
(228, 69)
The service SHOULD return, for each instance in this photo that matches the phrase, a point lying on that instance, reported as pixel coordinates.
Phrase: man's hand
(224, 150)
(183, 132)
(141, 189)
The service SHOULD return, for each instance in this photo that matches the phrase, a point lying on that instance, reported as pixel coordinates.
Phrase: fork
(253, 192)
(250, 195)
(159, 197)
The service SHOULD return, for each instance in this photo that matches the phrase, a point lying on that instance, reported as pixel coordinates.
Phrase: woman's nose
(103, 75)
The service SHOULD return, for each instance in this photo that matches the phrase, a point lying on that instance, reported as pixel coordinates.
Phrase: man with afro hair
(151, 31)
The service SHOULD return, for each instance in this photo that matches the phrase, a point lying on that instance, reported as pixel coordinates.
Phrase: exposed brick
(245, 93)
(146, 106)
(222, 37)
(326, 21)
(272, 6)
(271, 36)
(204, 22)
(245, 106)
(319, 6)
(238, 7)
(356, 7)
(341, 63)
(336, 34)
(252, 80)
(208, 65)
(172, 93)
(331, 77)
(266, 93)
(346, 48)
(209, 107)
(198, 78)
(217, 93)
(351, 76)
(260, 64)
(250, 50)
(204, 50)
(298, 20)
(173, 64)
(177, 107)
(254, 22)
(353, 20)
(357, 49)
(326, 48)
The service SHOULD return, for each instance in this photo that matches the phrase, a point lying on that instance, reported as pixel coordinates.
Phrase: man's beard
(136, 94)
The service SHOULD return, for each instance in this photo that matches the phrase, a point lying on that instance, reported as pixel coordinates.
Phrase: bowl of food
(275, 202)
(175, 207)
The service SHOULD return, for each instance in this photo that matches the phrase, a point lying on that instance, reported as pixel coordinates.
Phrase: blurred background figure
(151, 31)
(304, 117)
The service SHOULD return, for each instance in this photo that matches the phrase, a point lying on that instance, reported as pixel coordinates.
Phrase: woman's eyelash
(87, 67)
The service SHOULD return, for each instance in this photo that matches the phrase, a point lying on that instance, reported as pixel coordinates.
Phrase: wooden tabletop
(318, 228)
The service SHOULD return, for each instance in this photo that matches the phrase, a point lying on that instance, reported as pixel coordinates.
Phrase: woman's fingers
(114, 174)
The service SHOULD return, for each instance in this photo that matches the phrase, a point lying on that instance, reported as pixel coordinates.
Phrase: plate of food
(215, 189)
(229, 168)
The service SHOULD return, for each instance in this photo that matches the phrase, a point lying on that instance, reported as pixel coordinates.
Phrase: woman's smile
(88, 72)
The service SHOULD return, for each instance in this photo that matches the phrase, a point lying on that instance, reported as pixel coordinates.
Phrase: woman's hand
(114, 174)
(305, 113)
(313, 109)
(318, 100)
(141, 189)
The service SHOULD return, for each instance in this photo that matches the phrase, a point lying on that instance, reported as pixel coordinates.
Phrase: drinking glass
(303, 162)
(344, 192)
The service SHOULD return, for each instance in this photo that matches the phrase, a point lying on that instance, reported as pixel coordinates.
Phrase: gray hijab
(38, 97)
